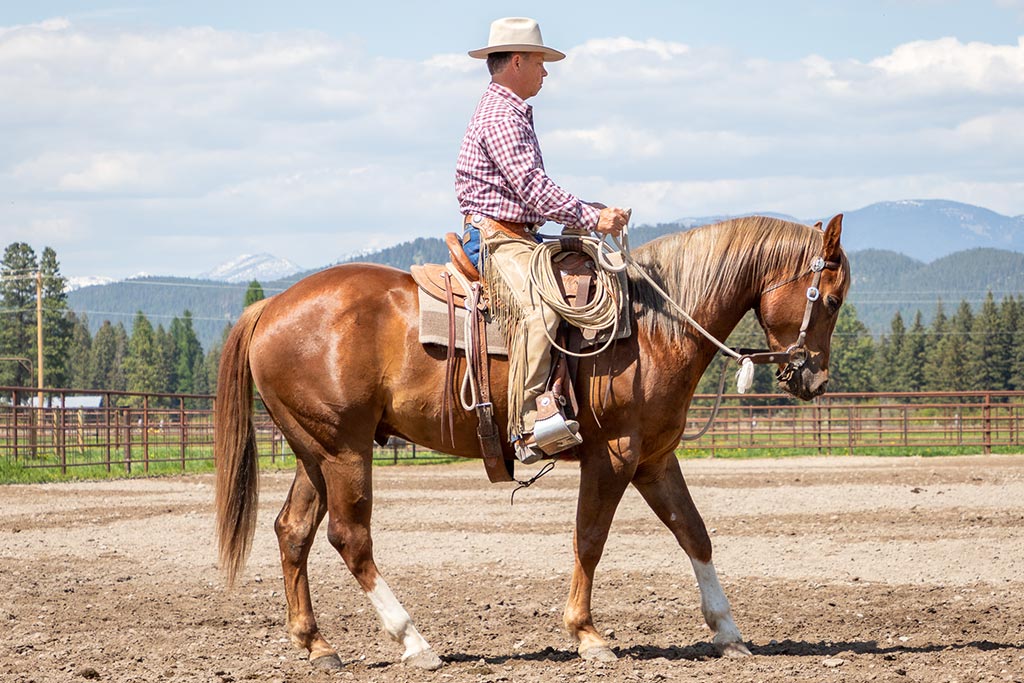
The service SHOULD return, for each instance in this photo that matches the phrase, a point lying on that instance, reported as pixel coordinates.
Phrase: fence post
(106, 420)
(14, 419)
(145, 433)
(60, 426)
(128, 440)
(181, 429)
(986, 437)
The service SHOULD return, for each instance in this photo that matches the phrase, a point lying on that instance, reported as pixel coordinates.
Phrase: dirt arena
(851, 569)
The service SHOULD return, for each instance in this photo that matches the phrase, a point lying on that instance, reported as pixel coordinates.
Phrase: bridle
(796, 355)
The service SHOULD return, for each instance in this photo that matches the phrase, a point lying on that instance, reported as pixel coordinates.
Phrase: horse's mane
(694, 267)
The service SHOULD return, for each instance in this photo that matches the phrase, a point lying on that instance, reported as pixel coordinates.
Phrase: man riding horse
(505, 196)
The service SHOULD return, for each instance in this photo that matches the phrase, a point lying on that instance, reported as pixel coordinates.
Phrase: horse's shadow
(705, 651)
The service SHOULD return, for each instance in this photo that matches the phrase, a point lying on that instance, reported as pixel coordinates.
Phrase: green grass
(168, 463)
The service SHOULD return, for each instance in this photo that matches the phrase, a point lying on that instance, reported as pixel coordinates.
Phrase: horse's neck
(719, 315)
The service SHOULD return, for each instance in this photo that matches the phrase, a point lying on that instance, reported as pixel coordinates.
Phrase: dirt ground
(852, 569)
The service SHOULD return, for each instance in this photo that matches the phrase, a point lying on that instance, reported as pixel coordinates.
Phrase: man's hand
(612, 221)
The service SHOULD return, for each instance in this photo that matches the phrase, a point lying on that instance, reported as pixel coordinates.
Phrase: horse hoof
(327, 663)
(426, 660)
(733, 650)
(599, 654)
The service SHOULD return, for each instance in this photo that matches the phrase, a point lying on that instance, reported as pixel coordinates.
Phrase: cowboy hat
(516, 34)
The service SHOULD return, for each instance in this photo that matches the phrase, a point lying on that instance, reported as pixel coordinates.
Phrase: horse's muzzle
(801, 377)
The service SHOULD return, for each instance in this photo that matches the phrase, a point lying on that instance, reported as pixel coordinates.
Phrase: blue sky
(170, 137)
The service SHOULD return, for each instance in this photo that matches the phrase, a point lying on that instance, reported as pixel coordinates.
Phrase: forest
(966, 348)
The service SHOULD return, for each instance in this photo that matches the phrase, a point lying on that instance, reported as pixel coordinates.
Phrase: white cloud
(311, 148)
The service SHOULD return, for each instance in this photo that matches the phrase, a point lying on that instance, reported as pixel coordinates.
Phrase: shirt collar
(513, 99)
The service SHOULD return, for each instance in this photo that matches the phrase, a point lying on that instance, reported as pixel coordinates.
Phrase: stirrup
(528, 452)
(554, 434)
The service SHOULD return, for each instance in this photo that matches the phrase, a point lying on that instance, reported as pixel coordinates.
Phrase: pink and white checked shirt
(500, 172)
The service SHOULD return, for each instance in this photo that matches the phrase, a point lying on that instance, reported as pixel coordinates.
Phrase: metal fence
(147, 433)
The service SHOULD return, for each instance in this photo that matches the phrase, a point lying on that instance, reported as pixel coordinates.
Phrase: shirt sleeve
(515, 151)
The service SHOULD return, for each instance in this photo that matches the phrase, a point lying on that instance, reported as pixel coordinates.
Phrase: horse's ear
(831, 237)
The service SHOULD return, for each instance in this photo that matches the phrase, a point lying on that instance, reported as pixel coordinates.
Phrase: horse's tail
(234, 447)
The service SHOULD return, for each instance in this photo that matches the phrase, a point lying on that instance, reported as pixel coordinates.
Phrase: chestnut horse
(337, 361)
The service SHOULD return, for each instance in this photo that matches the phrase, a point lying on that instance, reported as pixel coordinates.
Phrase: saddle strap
(498, 469)
(447, 415)
(575, 342)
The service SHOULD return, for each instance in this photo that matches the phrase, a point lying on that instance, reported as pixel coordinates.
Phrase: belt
(490, 227)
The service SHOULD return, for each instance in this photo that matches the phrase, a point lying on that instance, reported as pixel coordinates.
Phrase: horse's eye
(833, 304)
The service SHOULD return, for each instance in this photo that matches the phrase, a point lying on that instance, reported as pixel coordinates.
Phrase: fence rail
(169, 432)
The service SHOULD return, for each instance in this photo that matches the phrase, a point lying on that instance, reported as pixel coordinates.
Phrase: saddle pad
(434, 326)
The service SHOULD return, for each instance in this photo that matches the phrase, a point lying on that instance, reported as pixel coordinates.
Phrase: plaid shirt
(500, 172)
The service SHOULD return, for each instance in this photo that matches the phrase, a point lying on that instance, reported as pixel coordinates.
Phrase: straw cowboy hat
(516, 34)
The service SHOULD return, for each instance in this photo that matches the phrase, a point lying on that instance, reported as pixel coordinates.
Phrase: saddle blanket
(434, 327)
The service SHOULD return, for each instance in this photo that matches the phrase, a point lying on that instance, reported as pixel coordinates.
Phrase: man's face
(531, 73)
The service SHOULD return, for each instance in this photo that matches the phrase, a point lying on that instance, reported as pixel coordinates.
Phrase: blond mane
(696, 268)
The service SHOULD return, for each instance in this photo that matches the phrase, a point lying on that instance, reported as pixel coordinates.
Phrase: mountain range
(905, 256)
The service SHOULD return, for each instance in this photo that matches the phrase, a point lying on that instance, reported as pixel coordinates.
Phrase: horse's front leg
(665, 491)
(603, 479)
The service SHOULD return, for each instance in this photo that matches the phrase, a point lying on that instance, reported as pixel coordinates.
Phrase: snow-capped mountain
(248, 267)
(74, 283)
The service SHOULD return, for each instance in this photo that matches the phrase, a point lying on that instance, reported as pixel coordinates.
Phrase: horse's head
(798, 315)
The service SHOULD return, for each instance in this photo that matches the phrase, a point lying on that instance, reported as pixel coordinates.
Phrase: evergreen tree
(952, 351)
(143, 363)
(18, 314)
(166, 360)
(1017, 350)
(933, 377)
(80, 353)
(887, 371)
(852, 354)
(109, 347)
(187, 351)
(1006, 336)
(909, 368)
(254, 293)
(984, 367)
(57, 326)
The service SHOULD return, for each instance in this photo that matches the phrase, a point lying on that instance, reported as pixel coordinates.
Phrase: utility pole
(39, 334)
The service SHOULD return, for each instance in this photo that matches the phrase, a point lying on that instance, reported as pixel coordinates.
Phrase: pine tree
(887, 370)
(57, 326)
(852, 354)
(1017, 345)
(909, 368)
(80, 353)
(254, 293)
(143, 363)
(187, 351)
(1009, 322)
(983, 366)
(952, 351)
(166, 360)
(18, 315)
(933, 377)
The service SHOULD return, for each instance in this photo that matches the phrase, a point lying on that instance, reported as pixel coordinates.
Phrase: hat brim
(550, 54)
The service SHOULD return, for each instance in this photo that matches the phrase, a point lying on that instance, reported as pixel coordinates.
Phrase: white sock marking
(396, 620)
(714, 604)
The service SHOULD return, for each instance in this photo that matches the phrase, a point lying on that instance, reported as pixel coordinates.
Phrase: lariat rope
(605, 305)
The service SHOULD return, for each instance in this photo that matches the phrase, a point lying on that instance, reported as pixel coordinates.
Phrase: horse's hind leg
(668, 496)
(350, 502)
(296, 526)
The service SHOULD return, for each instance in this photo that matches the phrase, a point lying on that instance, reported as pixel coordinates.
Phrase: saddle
(458, 282)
